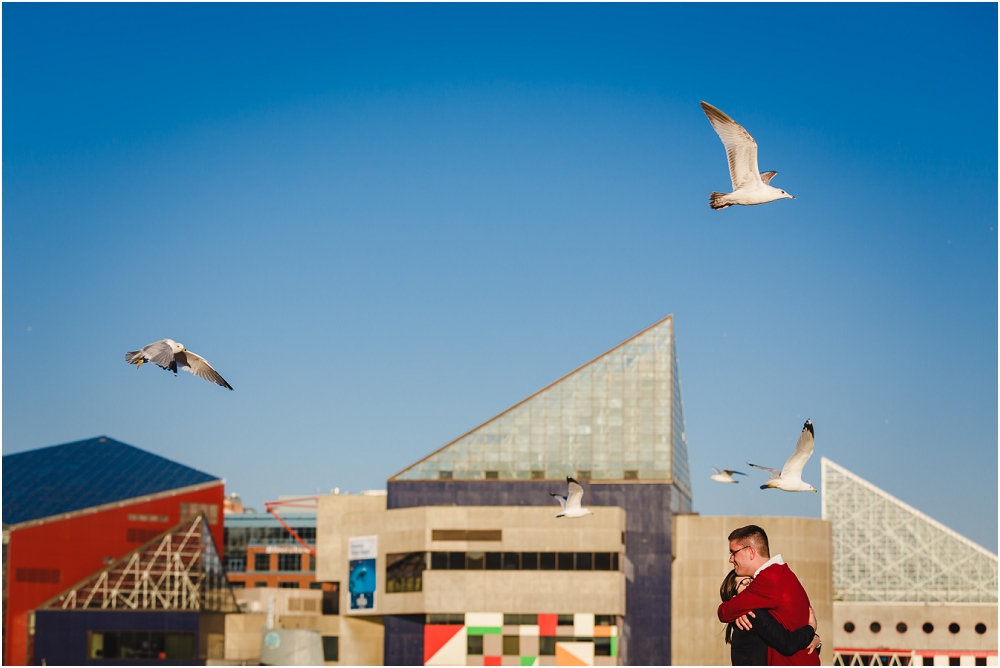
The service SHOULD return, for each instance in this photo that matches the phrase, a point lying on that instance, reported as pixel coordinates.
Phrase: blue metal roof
(64, 478)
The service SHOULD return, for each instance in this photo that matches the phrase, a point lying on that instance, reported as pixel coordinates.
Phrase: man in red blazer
(774, 588)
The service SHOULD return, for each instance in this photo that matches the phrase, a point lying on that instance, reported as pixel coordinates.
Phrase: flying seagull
(749, 185)
(571, 502)
(789, 478)
(725, 476)
(168, 354)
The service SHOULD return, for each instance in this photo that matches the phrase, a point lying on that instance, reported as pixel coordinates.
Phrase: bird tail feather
(715, 201)
(133, 357)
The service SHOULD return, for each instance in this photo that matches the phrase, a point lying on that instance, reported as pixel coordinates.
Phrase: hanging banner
(361, 584)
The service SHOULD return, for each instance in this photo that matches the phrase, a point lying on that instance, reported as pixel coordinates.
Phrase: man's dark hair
(752, 535)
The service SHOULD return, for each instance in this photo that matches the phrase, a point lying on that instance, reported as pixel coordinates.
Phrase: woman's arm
(777, 636)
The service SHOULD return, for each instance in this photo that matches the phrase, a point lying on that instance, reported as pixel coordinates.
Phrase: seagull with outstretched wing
(789, 478)
(749, 185)
(170, 355)
(571, 502)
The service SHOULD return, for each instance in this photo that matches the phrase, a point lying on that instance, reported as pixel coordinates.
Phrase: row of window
(45, 575)
(404, 572)
(242, 536)
(525, 561)
(262, 562)
(154, 645)
(546, 645)
(901, 627)
(192, 510)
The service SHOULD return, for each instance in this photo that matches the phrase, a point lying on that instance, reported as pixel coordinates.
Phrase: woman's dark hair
(727, 591)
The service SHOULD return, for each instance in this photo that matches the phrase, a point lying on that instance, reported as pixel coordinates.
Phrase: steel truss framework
(887, 551)
(178, 570)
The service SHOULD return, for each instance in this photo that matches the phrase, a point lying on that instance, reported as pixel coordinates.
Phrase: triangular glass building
(886, 551)
(617, 417)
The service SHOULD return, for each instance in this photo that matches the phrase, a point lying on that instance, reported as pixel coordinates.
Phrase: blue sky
(385, 224)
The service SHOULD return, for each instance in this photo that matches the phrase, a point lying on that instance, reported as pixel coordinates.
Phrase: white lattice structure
(178, 570)
(886, 551)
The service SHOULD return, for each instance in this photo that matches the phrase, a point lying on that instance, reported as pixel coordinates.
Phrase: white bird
(168, 354)
(749, 185)
(725, 476)
(571, 502)
(789, 478)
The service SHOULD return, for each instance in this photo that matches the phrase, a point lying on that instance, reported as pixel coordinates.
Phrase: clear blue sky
(385, 224)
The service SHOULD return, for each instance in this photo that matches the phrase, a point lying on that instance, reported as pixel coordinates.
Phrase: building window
(444, 475)
(954, 628)
(980, 628)
(954, 661)
(439, 561)
(236, 564)
(928, 628)
(456, 561)
(308, 534)
(547, 645)
(43, 575)
(331, 648)
(529, 561)
(511, 561)
(142, 645)
(848, 627)
(454, 619)
(547, 562)
(602, 561)
(331, 602)
(511, 645)
(261, 562)
(191, 510)
(288, 585)
(980, 660)
(584, 561)
(492, 475)
(875, 627)
(238, 584)
(602, 646)
(404, 572)
(312, 563)
(475, 561)
(631, 475)
(564, 620)
(315, 585)
(289, 562)
(604, 620)
(525, 561)
(494, 561)
(474, 646)
(565, 561)
(538, 475)
(901, 627)
(260, 583)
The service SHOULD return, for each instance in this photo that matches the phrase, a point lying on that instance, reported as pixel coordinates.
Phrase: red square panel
(491, 660)
(547, 625)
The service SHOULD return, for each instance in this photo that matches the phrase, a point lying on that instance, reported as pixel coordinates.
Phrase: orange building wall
(273, 576)
(79, 546)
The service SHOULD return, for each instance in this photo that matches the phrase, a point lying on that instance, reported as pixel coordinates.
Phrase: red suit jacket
(776, 589)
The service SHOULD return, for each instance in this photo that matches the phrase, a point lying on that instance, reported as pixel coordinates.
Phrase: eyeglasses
(733, 553)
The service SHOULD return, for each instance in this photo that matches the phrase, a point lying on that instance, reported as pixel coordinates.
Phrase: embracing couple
(767, 612)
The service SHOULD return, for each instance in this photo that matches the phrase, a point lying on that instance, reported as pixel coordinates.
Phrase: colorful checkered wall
(498, 639)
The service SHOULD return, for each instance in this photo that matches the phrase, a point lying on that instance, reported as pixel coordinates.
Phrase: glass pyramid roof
(617, 417)
(886, 551)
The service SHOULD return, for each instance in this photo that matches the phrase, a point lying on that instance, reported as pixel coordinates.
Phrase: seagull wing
(775, 473)
(560, 499)
(160, 354)
(197, 365)
(730, 472)
(740, 148)
(718, 471)
(767, 176)
(803, 451)
(574, 496)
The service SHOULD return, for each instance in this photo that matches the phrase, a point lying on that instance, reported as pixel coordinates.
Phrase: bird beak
(792, 196)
